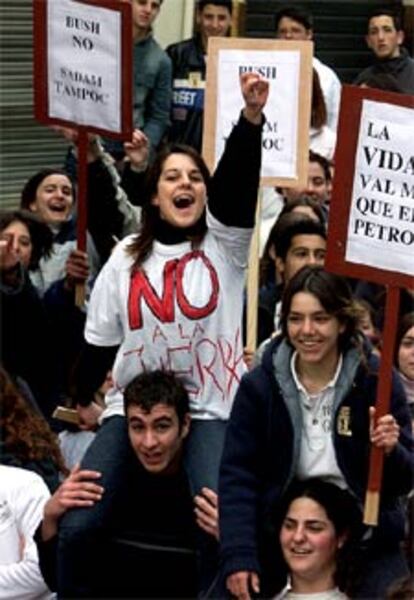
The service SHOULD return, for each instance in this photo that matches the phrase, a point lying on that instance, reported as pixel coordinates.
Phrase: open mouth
(182, 202)
(57, 208)
(152, 458)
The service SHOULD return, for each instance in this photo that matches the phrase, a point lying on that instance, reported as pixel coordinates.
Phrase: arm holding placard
(393, 433)
(232, 193)
(111, 214)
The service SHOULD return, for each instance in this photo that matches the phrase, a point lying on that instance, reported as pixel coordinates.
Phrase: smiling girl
(317, 536)
(308, 411)
(50, 195)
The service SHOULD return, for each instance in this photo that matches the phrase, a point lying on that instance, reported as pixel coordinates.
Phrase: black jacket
(401, 68)
(189, 74)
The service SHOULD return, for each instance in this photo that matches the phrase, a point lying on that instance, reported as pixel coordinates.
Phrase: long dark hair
(142, 244)
(25, 433)
(345, 515)
(319, 114)
(334, 294)
(406, 322)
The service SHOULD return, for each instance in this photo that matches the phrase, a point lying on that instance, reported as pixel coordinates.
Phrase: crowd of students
(194, 467)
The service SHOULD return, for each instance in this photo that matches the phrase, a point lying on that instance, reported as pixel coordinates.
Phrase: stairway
(339, 30)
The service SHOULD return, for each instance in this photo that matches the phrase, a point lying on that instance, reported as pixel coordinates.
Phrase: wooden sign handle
(376, 463)
(253, 280)
(82, 216)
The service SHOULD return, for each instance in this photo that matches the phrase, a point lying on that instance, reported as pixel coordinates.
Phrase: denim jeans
(203, 451)
(202, 458)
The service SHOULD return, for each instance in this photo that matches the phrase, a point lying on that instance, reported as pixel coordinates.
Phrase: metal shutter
(25, 145)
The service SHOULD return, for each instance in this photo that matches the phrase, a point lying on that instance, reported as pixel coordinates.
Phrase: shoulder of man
(179, 48)
(150, 44)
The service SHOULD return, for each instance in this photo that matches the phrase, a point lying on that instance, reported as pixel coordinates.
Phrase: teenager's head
(158, 415)
(318, 318)
(28, 238)
(144, 13)
(176, 193)
(318, 183)
(213, 18)
(318, 521)
(304, 205)
(293, 23)
(50, 194)
(298, 241)
(177, 186)
(404, 344)
(384, 33)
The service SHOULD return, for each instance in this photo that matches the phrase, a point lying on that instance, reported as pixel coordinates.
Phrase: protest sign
(83, 64)
(83, 77)
(371, 222)
(288, 68)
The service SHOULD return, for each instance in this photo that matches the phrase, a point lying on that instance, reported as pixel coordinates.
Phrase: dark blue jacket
(263, 443)
(189, 79)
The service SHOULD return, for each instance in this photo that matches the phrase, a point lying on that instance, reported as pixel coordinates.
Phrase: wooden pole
(253, 280)
(373, 494)
(82, 217)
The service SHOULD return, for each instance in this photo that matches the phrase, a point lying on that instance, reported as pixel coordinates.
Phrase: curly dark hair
(25, 433)
(148, 389)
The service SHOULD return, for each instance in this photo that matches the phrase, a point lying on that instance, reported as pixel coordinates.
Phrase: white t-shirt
(23, 495)
(323, 141)
(334, 594)
(183, 313)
